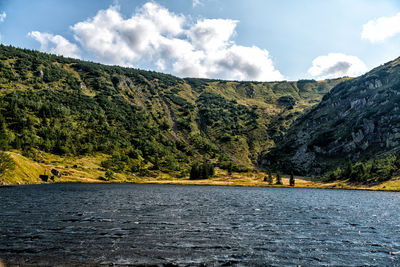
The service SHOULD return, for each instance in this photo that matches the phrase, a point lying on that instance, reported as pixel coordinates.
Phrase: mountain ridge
(358, 120)
(143, 120)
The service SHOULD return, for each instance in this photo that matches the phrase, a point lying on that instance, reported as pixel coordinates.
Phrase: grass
(26, 171)
(88, 170)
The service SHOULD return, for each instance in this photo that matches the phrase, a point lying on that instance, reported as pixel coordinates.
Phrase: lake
(121, 224)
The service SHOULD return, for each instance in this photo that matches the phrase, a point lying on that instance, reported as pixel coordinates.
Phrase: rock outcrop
(359, 119)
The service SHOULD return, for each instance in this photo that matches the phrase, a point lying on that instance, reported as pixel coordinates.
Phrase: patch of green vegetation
(6, 164)
(357, 119)
(201, 170)
(74, 108)
(369, 172)
(20, 170)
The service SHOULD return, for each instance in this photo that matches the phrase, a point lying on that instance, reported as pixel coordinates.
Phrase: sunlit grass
(88, 169)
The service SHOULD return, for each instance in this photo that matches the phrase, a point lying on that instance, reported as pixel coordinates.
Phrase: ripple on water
(153, 224)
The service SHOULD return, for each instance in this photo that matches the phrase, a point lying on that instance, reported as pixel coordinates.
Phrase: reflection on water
(94, 224)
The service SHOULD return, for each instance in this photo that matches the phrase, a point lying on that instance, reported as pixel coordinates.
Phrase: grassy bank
(89, 170)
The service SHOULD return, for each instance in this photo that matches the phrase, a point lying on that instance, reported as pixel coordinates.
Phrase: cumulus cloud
(382, 28)
(3, 16)
(154, 35)
(248, 63)
(212, 34)
(115, 40)
(55, 44)
(336, 65)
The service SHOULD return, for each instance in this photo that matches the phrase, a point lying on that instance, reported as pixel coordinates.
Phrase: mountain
(357, 121)
(142, 120)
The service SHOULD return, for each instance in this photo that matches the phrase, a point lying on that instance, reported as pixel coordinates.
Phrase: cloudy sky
(263, 40)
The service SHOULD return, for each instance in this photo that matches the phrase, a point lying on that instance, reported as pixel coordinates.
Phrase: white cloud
(382, 28)
(212, 34)
(248, 63)
(3, 16)
(118, 41)
(197, 3)
(55, 44)
(169, 42)
(336, 65)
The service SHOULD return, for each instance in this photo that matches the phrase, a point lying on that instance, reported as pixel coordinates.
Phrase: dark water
(95, 224)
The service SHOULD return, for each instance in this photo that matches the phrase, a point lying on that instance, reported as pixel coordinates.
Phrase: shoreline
(208, 182)
(89, 170)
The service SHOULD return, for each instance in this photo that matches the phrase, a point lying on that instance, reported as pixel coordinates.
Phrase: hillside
(357, 121)
(145, 120)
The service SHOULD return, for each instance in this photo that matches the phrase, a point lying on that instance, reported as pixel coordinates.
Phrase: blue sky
(228, 39)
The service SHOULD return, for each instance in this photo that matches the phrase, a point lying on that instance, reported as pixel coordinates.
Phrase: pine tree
(278, 178)
(269, 178)
(396, 162)
(194, 171)
(230, 168)
(349, 170)
(201, 171)
(4, 138)
(374, 167)
(291, 180)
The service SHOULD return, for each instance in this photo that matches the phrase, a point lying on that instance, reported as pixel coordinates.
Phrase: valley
(129, 125)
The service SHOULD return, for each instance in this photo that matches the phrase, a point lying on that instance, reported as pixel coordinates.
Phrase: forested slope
(142, 119)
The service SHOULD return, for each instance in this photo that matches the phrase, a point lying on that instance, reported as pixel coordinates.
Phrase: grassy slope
(26, 171)
(163, 98)
(88, 170)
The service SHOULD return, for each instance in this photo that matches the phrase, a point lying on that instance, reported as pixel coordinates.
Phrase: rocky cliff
(358, 120)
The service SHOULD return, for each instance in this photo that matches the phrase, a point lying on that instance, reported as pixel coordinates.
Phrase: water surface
(95, 224)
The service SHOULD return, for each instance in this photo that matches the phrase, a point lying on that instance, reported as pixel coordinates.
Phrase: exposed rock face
(303, 158)
(358, 120)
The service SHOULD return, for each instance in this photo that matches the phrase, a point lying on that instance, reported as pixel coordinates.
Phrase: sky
(257, 40)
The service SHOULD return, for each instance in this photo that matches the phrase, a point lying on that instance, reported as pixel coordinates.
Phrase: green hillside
(142, 120)
(357, 123)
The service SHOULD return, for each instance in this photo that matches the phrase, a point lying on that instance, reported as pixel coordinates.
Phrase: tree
(396, 161)
(230, 168)
(359, 173)
(4, 136)
(109, 174)
(291, 180)
(268, 178)
(349, 169)
(201, 171)
(6, 163)
(194, 171)
(278, 178)
(374, 167)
